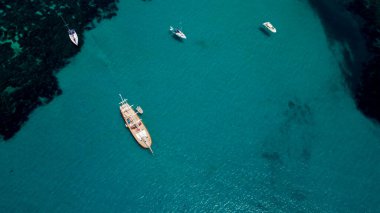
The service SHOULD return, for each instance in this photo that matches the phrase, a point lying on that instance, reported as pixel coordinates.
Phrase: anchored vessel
(73, 36)
(135, 124)
(270, 27)
(177, 32)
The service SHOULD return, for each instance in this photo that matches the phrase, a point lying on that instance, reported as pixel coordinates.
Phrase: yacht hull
(135, 126)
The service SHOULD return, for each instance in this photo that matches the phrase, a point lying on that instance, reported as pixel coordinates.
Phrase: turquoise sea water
(240, 121)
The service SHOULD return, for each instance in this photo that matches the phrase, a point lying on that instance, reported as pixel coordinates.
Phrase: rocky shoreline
(34, 46)
(368, 94)
(356, 24)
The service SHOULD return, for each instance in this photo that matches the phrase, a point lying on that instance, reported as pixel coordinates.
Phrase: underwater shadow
(265, 32)
(177, 38)
(201, 43)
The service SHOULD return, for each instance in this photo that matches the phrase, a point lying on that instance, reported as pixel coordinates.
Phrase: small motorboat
(139, 110)
(73, 36)
(177, 32)
(270, 27)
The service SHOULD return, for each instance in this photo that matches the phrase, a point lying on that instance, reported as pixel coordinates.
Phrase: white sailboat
(177, 32)
(72, 34)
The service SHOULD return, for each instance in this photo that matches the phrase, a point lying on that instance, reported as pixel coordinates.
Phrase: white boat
(270, 27)
(177, 32)
(139, 110)
(73, 36)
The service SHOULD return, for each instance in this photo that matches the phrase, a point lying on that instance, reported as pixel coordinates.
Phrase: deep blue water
(240, 121)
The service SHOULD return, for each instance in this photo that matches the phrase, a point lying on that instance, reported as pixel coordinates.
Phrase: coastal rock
(368, 94)
(361, 32)
(34, 46)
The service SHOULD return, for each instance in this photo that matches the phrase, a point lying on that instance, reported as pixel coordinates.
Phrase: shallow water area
(240, 119)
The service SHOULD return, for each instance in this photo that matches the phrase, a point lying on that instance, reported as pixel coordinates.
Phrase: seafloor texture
(360, 45)
(34, 45)
(241, 120)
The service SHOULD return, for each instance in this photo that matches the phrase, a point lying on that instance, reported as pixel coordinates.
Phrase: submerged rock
(27, 66)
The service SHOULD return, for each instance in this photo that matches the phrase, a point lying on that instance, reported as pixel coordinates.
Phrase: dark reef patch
(298, 195)
(300, 113)
(306, 155)
(34, 45)
(361, 34)
(293, 139)
(201, 43)
(272, 157)
(289, 148)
